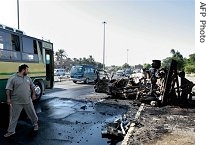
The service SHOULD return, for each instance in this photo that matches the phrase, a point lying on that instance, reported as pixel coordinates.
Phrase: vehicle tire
(96, 90)
(87, 81)
(75, 82)
(38, 90)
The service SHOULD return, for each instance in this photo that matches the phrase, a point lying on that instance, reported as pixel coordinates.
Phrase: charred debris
(156, 86)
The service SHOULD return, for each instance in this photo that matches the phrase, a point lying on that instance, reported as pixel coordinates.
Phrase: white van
(59, 72)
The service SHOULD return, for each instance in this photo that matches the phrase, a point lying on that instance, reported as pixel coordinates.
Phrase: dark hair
(22, 66)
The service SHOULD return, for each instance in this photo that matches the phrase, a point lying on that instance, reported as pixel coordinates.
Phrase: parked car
(120, 73)
(128, 72)
(59, 72)
(67, 74)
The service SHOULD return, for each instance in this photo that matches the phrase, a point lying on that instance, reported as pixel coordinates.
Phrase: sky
(136, 32)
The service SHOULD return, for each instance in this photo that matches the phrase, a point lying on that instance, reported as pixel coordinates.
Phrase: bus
(17, 48)
(83, 73)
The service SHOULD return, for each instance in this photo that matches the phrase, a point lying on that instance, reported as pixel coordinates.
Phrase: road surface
(65, 118)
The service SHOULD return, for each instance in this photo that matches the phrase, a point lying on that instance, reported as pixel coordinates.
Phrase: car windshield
(76, 69)
(119, 71)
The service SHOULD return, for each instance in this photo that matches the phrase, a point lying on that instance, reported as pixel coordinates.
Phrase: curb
(132, 126)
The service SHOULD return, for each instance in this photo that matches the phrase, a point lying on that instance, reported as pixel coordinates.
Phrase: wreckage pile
(158, 87)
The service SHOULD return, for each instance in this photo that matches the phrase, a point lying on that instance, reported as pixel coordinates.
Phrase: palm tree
(80, 60)
(60, 54)
(91, 60)
(176, 55)
(172, 52)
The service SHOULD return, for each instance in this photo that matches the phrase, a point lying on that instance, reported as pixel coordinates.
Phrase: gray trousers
(15, 110)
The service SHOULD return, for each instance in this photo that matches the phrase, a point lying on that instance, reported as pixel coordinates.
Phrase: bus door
(49, 68)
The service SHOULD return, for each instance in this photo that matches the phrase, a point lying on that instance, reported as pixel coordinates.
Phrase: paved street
(65, 119)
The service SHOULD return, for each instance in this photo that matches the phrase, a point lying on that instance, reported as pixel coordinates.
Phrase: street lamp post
(127, 56)
(18, 13)
(104, 47)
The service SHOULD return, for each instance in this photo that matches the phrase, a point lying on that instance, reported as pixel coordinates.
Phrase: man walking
(18, 90)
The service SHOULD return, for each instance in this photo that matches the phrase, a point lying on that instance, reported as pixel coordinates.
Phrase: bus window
(10, 55)
(5, 41)
(15, 55)
(28, 45)
(5, 55)
(1, 54)
(40, 52)
(35, 47)
(28, 50)
(40, 46)
(30, 57)
(1, 45)
(1, 40)
(47, 59)
(15, 42)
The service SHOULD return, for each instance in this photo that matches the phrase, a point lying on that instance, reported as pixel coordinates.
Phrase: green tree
(191, 59)
(75, 61)
(124, 66)
(99, 65)
(80, 60)
(176, 55)
(91, 60)
(166, 62)
(190, 64)
(84, 60)
(146, 65)
(60, 55)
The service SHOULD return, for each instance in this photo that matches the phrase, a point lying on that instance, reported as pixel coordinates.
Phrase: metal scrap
(116, 129)
(154, 86)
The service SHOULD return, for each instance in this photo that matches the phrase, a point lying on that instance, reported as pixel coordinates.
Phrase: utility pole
(127, 56)
(18, 13)
(104, 47)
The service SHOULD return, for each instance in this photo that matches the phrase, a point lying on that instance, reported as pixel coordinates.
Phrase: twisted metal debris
(157, 86)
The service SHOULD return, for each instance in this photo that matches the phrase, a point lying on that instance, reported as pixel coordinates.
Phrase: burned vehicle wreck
(157, 86)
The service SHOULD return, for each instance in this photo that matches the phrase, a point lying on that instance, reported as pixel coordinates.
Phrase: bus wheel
(75, 82)
(38, 90)
(87, 81)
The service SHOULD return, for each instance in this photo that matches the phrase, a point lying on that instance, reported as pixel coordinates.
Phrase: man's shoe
(8, 134)
(36, 127)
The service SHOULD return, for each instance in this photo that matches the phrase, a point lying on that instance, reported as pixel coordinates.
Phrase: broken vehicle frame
(164, 87)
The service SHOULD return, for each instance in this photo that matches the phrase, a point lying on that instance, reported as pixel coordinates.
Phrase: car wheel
(87, 81)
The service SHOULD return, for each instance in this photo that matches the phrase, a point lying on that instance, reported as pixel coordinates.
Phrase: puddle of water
(84, 120)
(54, 113)
(58, 108)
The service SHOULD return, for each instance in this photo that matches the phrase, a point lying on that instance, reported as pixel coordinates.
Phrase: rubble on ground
(165, 125)
(156, 86)
(169, 113)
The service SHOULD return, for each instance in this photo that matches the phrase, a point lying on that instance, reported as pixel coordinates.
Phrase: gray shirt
(21, 89)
